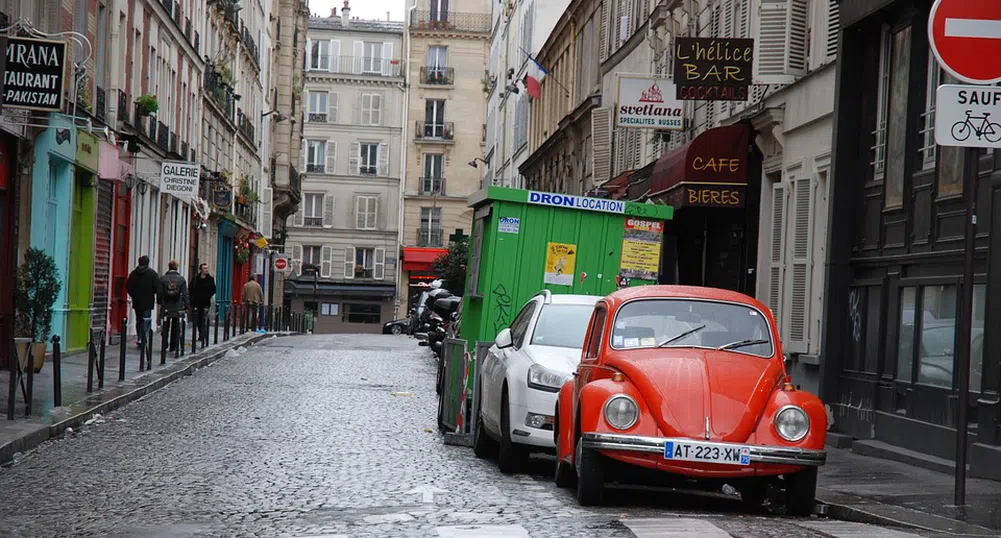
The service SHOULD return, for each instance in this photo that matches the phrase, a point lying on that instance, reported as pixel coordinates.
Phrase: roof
(576, 299)
(680, 292)
(356, 25)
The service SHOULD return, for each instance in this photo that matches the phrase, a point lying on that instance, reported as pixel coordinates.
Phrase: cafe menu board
(641, 249)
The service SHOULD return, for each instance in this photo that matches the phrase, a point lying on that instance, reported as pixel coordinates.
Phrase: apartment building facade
(345, 234)
(445, 135)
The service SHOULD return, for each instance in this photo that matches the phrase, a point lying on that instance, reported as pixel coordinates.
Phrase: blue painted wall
(224, 263)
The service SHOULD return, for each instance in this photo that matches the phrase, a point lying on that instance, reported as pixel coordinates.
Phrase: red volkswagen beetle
(687, 387)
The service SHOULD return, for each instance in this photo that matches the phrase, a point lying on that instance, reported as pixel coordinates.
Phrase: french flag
(534, 76)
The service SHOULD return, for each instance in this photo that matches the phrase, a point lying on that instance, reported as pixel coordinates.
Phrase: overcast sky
(363, 9)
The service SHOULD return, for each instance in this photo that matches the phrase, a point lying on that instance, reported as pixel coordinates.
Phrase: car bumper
(779, 455)
(524, 434)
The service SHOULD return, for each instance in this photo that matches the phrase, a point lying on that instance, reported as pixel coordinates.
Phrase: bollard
(100, 369)
(57, 373)
(121, 351)
(12, 381)
(225, 324)
(216, 323)
(31, 379)
(244, 315)
(163, 340)
(149, 344)
(91, 358)
(182, 334)
(195, 320)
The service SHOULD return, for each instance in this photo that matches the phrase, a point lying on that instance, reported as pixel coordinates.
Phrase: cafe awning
(709, 171)
(420, 258)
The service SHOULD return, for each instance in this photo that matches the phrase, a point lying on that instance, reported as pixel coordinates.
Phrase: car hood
(558, 359)
(683, 386)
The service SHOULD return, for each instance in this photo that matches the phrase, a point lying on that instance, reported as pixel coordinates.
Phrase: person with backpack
(173, 302)
(143, 287)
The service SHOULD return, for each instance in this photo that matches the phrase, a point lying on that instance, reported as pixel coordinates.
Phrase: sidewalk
(46, 421)
(871, 490)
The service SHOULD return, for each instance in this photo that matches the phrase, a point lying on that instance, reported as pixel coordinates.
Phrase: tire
(511, 457)
(396, 330)
(961, 131)
(483, 446)
(566, 476)
(800, 492)
(590, 476)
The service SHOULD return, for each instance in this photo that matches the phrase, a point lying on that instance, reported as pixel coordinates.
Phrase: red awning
(420, 259)
(718, 156)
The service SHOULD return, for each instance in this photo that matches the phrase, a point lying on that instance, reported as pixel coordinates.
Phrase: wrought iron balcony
(187, 29)
(184, 150)
(429, 237)
(173, 143)
(101, 104)
(245, 126)
(317, 117)
(435, 131)
(250, 44)
(445, 21)
(163, 136)
(295, 179)
(356, 65)
(123, 106)
(438, 76)
(246, 212)
(431, 185)
(221, 93)
(315, 168)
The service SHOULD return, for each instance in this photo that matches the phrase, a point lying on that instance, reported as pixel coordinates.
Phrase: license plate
(695, 451)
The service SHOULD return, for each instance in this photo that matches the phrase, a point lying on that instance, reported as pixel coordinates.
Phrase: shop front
(117, 171)
(8, 257)
(342, 308)
(417, 274)
(712, 182)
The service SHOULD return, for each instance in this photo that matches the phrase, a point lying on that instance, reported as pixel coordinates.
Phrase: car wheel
(397, 330)
(801, 490)
(565, 475)
(440, 377)
(483, 446)
(590, 475)
(510, 456)
(753, 494)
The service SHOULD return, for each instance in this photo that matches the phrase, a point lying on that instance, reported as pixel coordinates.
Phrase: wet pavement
(329, 436)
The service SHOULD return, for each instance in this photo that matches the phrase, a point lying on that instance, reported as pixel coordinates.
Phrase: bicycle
(991, 131)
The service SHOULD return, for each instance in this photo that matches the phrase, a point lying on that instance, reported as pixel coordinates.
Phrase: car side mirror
(503, 339)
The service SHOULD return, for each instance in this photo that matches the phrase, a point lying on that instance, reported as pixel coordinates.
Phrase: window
(313, 209)
(527, 28)
(928, 146)
(311, 255)
(317, 156)
(320, 55)
(434, 118)
(371, 109)
(905, 340)
(937, 342)
(562, 326)
(520, 325)
(437, 58)
(429, 234)
(372, 61)
(318, 106)
(521, 123)
(432, 182)
(977, 337)
(439, 10)
(366, 211)
(882, 107)
(896, 131)
(368, 159)
(597, 331)
(364, 262)
(363, 313)
(329, 309)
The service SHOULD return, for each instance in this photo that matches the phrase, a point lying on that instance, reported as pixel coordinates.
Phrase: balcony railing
(312, 222)
(318, 117)
(356, 65)
(163, 136)
(315, 168)
(184, 150)
(101, 104)
(438, 76)
(294, 179)
(230, 14)
(431, 185)
(250, 44)
(247, 213)
(187, 28)
(245, 126)
(429, 237)
(173, 143)
(123, 107)
(443, 21)
(220, 93)
(435, 131)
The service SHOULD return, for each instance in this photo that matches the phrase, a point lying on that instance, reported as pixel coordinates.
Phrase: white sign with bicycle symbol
(968, 116)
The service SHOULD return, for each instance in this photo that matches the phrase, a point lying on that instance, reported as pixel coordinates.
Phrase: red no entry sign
(965, 36)
(281, 264)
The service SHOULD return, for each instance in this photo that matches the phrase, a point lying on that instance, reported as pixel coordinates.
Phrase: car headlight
(792, 423)
(541, 378)
(621, 412)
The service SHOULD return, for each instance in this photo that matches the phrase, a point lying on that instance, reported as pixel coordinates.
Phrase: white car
(521, 376)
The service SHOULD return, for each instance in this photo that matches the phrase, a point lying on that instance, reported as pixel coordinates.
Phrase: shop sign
(179, 179)
(87, 154)
(560, 261)
(508, 225)
(641, 243)
(711, 69)
(576, 202)
(34, 74)
(725, 195)
(222, 199)
(642, 103)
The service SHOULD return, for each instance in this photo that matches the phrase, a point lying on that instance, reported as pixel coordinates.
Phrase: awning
(420, 258)
(305, 287)
(709, 171)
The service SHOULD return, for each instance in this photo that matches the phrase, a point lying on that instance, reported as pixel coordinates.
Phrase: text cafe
(713, 183)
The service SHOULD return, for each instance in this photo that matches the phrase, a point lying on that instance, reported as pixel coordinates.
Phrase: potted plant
(242, 254)
(148, 104)
(35, 291)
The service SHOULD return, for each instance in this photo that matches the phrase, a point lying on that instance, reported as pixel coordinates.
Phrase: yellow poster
(641, 249)
(560, 260)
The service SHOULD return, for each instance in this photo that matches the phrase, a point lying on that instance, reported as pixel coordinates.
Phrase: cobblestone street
(326, 436)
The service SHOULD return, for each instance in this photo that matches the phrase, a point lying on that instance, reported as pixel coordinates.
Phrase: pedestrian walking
(253, 297)
(142, 286)
(202, 291)
(173, 302)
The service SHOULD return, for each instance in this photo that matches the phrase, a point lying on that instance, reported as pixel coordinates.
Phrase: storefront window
(362, 313)
(897, 120)
(977, 337)
(905, 341)
(938, 335)
(329, 309)
(950, 161)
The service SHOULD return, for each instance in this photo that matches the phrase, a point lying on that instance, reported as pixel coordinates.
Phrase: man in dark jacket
(143, 286)
(202, 290)
(173, 302)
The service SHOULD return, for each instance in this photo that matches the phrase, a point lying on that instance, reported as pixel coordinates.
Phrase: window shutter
(374, 213)
(376, 115)
(833, 28)
(383, 160)
(777, 252)
(332, 99)
(802, 250)
(349, 262)
(309, 54)
(745, 10)
(387, 56)
(335, 56)
(303, 153)
(297, 259)
(603, 35)
(601, 140)
(355, 159)
(623, 30)
(379, 272)
(782, 45)
(360, 212)
(331, 156)
(328, 211)
(715, 22)
(359, 56)
(267, 227)
(298, 219)
(325, 261)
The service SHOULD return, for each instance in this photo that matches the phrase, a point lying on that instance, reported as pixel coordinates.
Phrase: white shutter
(380, 264)
(349, 262)
(802, 266)
(325, 261)
(782, 45)
(387, 56)
(833, 28)
(360, 212)
(355, 159)
(303, 154)
(373, 221)
(728, 27)
(297, 259)
(298, 219)
(333, 101)
(383, 160)
(328, 211)
(777, 255)
(623, 30)
(601, 143)
(332, 58)
(309, 54)
(331, 157)
(267, 226)
(745, 15)
(366, 109)
(375, 116)
(603, 35)
(359, 56)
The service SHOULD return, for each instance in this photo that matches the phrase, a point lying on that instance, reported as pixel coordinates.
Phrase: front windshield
(691, 323)
(562, 325)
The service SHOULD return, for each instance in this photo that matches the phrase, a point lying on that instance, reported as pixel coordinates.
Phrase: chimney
(346, 14)
(333, 12)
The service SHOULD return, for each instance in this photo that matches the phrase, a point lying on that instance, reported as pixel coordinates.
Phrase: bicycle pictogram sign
(985, 129)
(968, 116)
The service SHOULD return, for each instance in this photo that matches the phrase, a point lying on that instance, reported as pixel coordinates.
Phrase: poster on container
(560, 261)
(641, 249)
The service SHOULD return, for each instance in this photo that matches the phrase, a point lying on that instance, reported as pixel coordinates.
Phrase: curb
(186, 367)
(904, 520)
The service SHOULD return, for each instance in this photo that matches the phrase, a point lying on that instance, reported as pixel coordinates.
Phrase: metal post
(121, 349)
(148, 329)
(182, 328)
(91, 358)
(216, 330)
(966, 322)
(30, 359)
(57, 373)
(195, 326)
(12, 381)
(165, 328)
(100, 366)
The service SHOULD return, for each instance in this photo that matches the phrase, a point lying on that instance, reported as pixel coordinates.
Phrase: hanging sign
(179, 179)
(33, 77)
(222, 199)
(967, 116)
(560, 260)
(649, 103)
(712, 69)
(641, 249)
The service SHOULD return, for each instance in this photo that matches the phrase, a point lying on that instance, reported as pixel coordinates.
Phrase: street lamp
(472, 163)
(281, 116)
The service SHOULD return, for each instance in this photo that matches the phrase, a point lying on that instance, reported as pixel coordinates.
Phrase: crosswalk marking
(483, 531)
(674, 527)
(847, 529)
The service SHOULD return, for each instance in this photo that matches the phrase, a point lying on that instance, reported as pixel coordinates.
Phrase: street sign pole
(971, 172)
